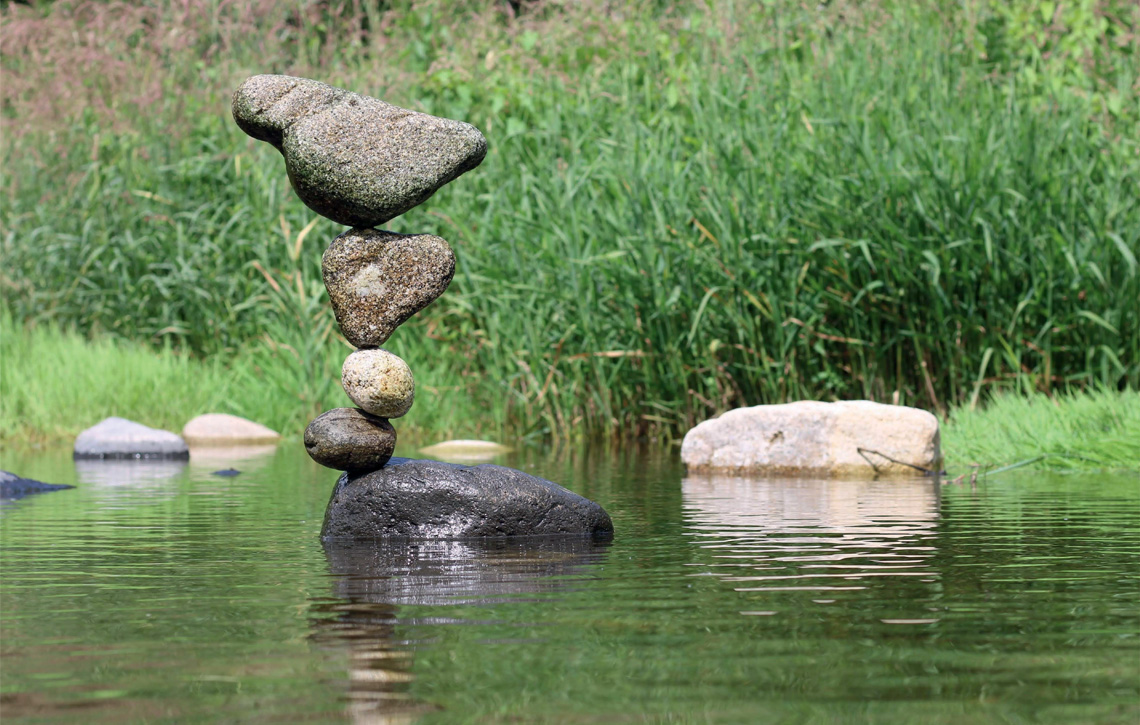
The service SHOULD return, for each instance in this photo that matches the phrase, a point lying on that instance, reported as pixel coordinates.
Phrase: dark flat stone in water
(13, 486)
(423, 499)
(228, 472)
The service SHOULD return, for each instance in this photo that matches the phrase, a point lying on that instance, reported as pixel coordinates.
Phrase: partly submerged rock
(122, 438)
(377, 280)
(433, 500)
(854, 438)
(356, 160)
(13, 486)
(223, 429)
(348, 439)
(379, 382)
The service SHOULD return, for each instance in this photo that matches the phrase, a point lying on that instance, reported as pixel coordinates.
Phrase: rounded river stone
(377, 280)
(356, 160)
(379, 382)
(433, 500)
(348, 439)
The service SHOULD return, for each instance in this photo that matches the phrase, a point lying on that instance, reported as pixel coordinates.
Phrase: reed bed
(684, 209)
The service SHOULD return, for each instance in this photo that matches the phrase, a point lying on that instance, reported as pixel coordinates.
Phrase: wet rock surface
(349, 439)
(433, 500)
(122, 438)
(14, 487)
(354, 159)
(377, 280)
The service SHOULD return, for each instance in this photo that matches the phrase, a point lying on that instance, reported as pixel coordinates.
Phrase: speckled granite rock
(377, 280)
(348, 439)
(434, 500)
(379, 382)
(356, 160)
(122, 438)
(852, 438)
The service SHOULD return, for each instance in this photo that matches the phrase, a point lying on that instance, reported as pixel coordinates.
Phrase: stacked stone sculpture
(360, 162)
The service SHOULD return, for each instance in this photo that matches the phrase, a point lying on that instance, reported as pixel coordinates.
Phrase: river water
(158, 592)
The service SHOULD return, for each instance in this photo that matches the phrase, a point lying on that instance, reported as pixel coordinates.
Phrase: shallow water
(162, 593)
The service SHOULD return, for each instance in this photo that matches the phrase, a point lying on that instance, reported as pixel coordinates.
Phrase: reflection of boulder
(144, 472)
(798, 534)
(456, 572)
(728, 505)
(372, 579)
(246, 457)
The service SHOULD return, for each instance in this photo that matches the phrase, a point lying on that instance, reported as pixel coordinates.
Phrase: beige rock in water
(222, 429)
(356, 160)
(377, 280)
(379, 382)
(854, 438)
(466, 451)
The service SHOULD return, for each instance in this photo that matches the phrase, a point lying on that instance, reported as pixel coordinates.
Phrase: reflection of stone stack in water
(372, 583)
(361, 162)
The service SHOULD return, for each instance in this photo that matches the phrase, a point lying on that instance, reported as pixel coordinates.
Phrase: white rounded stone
(378, 382)
(851, 438)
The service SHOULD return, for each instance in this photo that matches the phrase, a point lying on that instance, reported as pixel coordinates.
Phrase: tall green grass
(682, 211)
(55, 382)
(1097, 429)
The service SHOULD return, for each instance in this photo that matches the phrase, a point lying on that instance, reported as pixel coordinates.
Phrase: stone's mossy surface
(853, 438)
(379, 382)
(348, 439)
(433, 500)
(122, 438)
(377, 280)
(356, 160)
(223, 429)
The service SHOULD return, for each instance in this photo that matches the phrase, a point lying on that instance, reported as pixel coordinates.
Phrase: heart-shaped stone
(377, 280)
(356, 160)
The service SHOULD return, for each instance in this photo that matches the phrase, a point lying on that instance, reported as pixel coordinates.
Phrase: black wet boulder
(433, 500)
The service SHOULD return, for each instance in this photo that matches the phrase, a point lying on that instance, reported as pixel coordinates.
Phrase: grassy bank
(54, 384)
(684, 208)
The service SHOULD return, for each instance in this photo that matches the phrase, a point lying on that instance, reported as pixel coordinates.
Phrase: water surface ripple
(161, 593)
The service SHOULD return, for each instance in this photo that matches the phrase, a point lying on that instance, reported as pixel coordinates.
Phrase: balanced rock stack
(360, 162)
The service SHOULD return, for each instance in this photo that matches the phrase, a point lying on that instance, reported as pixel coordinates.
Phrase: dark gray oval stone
(348, 439)
(433, 500)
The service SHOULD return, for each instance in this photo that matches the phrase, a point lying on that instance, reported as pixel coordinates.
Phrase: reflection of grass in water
(674, 217)
(1077, 431)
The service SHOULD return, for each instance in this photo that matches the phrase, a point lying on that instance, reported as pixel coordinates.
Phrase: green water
(162, 593)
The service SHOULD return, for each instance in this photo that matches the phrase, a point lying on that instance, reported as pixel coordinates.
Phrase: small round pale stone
(378, 382)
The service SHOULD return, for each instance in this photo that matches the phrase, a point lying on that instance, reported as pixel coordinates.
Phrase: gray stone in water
(433, 500)
(122, 438)
(356, 160)
(377, 280)
(348, 439)
(13, 486)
